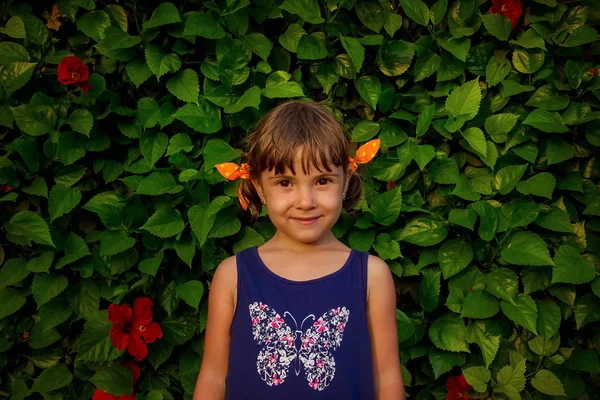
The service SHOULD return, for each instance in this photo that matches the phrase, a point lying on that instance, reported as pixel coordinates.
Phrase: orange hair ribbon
(232, 171)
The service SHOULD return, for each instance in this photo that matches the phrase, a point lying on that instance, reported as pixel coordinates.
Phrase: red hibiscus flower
(100, 395)
(5, 188)
(511, 9)
(72, 70)
(457, 388)
(132, 330)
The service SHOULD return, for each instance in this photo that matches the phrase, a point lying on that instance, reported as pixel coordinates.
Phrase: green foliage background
(490, 136)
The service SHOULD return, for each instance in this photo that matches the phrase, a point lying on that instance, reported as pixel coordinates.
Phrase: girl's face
(304, 207)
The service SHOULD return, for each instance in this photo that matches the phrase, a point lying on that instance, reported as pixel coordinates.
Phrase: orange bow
(232, 171)
(365, 153)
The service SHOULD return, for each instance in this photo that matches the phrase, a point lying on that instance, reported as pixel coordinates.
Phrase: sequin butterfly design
(314, 351)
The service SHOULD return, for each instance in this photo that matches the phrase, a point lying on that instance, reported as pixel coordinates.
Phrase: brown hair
(273, 142)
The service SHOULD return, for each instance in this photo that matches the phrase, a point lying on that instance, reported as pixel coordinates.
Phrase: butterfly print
(313, 352)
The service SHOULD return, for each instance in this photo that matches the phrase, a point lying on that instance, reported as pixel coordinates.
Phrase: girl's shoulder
(378, 273)
(226, 274)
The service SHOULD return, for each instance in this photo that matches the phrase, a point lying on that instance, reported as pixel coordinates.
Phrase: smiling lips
(307, 221)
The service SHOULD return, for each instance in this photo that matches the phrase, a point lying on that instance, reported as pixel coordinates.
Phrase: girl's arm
(221, 303)
(381, 317)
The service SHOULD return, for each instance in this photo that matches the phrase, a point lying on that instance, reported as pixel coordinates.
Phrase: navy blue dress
(300, 340)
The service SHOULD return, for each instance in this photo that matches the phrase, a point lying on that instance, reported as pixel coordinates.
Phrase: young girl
(302, 316)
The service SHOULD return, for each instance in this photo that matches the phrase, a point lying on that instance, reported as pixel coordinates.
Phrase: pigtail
(354, 192)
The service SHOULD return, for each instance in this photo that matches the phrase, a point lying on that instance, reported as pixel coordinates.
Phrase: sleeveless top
(300, 339)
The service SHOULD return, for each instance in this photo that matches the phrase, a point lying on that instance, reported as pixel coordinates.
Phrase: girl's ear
(257, 187)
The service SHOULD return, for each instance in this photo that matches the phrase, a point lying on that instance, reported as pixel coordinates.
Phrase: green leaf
(395, 57)
(454, 256)
(165, 14)
(369, 88)
(75, 249)
(191, 292)
(583, 35)
(498, 25)
(81, 120)
(555, 220)
(558, 151)
(539, 185)
(62, 200)
(153, 146)
(308, 10)
(115, 242)
(526, 248)
(370, 14)
(478, 377)
(115, 38)
(547, 383)
(31, 225)
(444, 171)
(311, 48)
(203, 117)
(53, 378)
(549, 318)
(569, 267)
(427, 63)
(157, 183)
(278, 86)
(417, 11)
(386, 247)
(47, 286)
(165, 222)
(184, 86)
(438, 10)
(250, 98)
(489, 344)
(259, 44)
(201, 222)
(202, 24)
(291, 37)
(424, 121)
(464, 101)
(95, 343)
(528, 61)
(150, 265)
(355, 50)
(530, 40)
(443, 361)
(429, 290)
(93, 24)
(138, 71)
(498, 126)
(15, 28)
(523, 313)
(13, 271)
(546, 121)
(511, 380)
(504, 284)
(12, 52)
(587, 310)
(496, 70)
(543, 346)
(11, 301)
(15, 75)
(117, 380)
(423, 231)
(466, 218)
(41, 263)
(159, 61)
(84, 298)
(35, 120)
(422, 154)
(386, 207)
(476, 139)
(506, 179)
(448, 333)
(480, 304)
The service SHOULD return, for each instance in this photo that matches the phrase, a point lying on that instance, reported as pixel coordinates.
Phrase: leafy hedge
(484, 200)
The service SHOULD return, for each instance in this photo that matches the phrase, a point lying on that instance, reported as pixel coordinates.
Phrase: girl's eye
(324, 180)
(283, 183)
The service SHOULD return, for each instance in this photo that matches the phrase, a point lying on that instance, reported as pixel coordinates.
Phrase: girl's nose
(306, 198)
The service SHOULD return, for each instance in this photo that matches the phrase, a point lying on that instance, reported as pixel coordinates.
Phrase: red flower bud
(5, 188)
(71, 70)
(594, 71)
(391, 184)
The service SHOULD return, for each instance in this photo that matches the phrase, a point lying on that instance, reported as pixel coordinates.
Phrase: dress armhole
(364, 271)
(238, 262)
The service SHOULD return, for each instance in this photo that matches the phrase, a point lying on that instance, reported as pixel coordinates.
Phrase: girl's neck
(281, 242)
